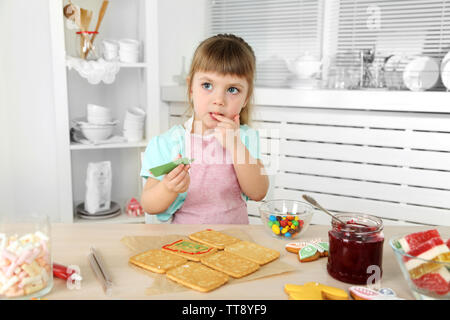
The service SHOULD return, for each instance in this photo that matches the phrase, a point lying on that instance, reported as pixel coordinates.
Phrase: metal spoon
(317, 205)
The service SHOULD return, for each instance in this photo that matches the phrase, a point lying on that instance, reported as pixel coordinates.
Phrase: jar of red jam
(354, 247)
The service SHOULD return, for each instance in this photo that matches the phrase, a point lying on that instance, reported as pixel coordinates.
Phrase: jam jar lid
(357, 223)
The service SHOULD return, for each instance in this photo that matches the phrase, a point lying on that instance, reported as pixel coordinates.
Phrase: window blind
(404, 27)
(276, 30)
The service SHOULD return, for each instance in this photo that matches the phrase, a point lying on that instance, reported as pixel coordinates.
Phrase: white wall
(28, 175)
(28, 156)
(182, 26)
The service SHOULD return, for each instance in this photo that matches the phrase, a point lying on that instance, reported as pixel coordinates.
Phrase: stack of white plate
(393, 71)
(112, 212)
(129, 50)
(421, 74)
(110, 49)
(445, 71)
(133, 128)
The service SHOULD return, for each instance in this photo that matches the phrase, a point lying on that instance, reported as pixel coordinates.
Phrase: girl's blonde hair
(225, 54)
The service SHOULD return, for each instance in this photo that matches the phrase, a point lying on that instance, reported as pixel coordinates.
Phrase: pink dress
(214, 195)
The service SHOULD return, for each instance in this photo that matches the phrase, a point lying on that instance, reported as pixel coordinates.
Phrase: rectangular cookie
(252, 251)
(189, 249)
(197, 276)
(231, 264)
(213, 238)
(156, 260)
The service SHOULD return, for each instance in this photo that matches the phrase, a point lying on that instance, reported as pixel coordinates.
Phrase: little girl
(226, 170)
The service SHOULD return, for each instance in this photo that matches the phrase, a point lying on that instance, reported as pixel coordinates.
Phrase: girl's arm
(157, 196)
(250, 173)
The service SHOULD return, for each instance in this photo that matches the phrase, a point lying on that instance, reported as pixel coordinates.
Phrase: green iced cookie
(308, 253)
(166, 168)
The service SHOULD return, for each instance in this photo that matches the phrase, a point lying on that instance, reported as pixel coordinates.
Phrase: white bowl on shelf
(133, 135)
(129, 44)
(96, 132)
(135, 113)
(99, 119)
(129, 56)
(98, 114)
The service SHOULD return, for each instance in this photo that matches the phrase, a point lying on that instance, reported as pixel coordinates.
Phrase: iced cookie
(308, 253)
(189, 249)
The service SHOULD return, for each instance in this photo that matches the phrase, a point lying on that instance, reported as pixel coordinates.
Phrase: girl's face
(214, 93)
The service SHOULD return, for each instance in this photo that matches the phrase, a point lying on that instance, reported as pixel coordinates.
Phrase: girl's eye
(207, 86)
(233, 90)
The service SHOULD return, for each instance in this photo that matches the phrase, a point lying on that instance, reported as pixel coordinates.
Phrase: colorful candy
(285, 226)
(426, 251)
(24, 264)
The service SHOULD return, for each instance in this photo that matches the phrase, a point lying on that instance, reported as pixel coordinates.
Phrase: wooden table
(71, 243)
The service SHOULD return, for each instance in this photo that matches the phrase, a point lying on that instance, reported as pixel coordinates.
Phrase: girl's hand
(227, 131)
(178, 179)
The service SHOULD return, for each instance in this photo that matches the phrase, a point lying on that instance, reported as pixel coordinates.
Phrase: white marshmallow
(12, 281)
(29, 280)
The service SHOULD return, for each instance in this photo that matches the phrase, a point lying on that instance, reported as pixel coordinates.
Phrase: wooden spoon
(101, 14)
(85, 19)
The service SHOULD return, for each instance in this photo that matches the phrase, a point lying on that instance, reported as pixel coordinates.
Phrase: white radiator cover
(393, 164)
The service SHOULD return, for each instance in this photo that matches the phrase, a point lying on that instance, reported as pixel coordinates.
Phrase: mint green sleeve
(161, 150)
(155, 155)
(250, 138)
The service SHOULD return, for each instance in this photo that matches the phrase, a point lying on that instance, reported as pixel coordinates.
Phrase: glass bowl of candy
(286, 219)
(25, 256)
(424, 259)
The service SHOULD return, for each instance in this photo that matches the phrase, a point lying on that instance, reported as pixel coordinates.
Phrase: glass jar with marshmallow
(25, 257)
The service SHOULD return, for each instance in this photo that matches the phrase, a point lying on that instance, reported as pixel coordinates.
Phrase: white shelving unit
(136, 85)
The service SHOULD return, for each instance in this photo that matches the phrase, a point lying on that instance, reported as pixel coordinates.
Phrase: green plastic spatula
(166, 168)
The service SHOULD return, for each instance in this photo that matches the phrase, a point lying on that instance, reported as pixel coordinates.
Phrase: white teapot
(304, 67)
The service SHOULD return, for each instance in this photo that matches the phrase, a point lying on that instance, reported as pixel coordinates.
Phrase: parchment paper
(162, 285)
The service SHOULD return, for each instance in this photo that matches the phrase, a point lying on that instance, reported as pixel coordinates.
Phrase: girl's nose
(219, 99)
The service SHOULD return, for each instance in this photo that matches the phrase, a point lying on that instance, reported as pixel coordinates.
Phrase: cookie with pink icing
(295, 247)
